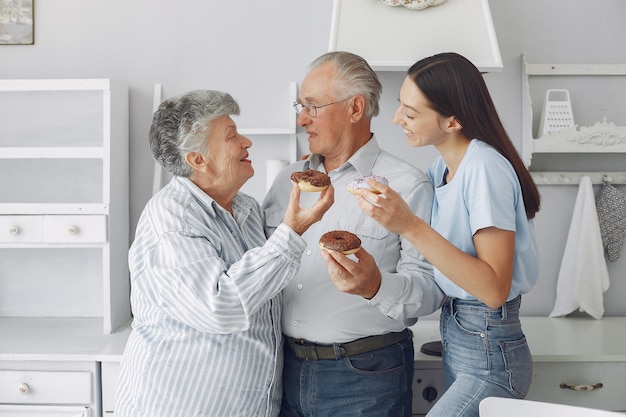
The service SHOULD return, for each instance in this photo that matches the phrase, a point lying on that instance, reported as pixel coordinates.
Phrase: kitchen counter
(550, 339)
(59, 339)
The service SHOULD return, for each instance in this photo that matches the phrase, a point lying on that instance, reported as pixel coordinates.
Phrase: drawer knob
(581, 387)
(14, 230)
(23, 389)
(72, 230)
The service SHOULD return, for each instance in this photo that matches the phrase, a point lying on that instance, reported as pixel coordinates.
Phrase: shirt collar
(363, 159)
(209, 205)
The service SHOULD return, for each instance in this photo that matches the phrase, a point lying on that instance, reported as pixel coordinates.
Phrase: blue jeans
(372, 384)
(484, 354)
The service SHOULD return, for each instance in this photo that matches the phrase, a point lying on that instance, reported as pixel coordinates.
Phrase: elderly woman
(206, 284)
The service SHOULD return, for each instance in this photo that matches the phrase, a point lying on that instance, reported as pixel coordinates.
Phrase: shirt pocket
(273, 219)
(367, 229)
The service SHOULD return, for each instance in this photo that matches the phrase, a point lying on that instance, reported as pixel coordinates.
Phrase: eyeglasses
(311, 108)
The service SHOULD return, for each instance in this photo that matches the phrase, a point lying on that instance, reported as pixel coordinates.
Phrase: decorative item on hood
(413, 4)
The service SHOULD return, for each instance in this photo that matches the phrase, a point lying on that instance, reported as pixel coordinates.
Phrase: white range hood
(393, 38)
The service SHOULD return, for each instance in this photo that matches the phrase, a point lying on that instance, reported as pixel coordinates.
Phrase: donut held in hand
(360, 183)
(340, 241)
(311, 180)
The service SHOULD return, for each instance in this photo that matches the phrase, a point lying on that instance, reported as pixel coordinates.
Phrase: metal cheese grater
(556, 115)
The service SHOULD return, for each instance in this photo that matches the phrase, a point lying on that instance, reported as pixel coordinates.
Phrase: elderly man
(349, 352)
(206, 284)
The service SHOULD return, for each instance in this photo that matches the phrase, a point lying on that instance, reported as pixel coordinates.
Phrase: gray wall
(253, 50)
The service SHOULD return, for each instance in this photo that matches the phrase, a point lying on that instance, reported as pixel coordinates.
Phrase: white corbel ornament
(413, 4)
(600, 134)
(601, 137)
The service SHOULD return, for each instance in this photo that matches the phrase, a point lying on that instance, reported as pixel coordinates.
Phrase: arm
(200, 279)
(407, 292)
(208, 293)
(488, 276)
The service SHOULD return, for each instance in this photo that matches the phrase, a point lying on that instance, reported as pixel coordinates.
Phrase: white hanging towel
(583, 276)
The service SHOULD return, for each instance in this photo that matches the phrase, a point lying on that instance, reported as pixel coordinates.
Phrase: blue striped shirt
(206, 299)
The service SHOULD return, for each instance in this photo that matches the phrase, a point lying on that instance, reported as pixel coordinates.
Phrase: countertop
(77, 339)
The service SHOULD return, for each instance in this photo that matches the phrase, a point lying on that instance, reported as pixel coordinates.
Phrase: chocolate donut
(360, 183)
(340, 241)
(311, 180)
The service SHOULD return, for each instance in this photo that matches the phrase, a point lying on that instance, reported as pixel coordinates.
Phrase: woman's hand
(387, 208)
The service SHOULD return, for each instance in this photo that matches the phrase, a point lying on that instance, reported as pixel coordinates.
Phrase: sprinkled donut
(311, 180)
(360, 183)
(340, 241)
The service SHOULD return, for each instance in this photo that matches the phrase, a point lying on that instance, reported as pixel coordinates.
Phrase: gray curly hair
(181, 124)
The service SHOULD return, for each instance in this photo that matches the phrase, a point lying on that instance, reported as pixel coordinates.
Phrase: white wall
(253, 49)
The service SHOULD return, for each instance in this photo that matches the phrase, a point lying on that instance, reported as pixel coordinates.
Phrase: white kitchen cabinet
(577, 352)
(576, 361)
(64, 209)
(45, 371)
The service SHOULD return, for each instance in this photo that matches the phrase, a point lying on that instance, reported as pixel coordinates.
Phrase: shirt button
(234, 234)
(295, 323)
(300, 286)
(309, 252)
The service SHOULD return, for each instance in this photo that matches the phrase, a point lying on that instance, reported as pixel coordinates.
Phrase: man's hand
(300, 219)
(361, 277)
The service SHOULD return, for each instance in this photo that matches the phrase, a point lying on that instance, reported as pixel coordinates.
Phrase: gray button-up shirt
(313, 308)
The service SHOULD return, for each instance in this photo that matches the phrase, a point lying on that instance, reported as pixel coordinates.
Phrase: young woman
(481, 239)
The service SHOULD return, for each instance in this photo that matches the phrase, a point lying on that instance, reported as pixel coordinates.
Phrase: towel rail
(573, 178)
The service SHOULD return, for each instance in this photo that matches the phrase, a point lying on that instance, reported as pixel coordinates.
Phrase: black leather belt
(308, 350)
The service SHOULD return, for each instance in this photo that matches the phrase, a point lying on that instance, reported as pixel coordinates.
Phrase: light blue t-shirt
(484, 192)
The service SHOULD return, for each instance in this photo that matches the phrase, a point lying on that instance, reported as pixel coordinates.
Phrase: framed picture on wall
(16, 22)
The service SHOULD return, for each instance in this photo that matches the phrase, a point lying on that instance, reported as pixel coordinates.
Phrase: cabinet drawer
(548, 377)
(43, 411)
(21, 229)
(75, 229)
(53, 229)
(45, 387)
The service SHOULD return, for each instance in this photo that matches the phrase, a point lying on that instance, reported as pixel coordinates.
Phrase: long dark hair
(455, 87)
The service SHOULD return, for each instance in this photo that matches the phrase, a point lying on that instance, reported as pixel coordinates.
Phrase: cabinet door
(43, 411)
(109, 373)
(550, 378)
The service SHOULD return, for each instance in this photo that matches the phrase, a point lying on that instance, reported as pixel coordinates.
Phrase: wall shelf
(601, 137)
